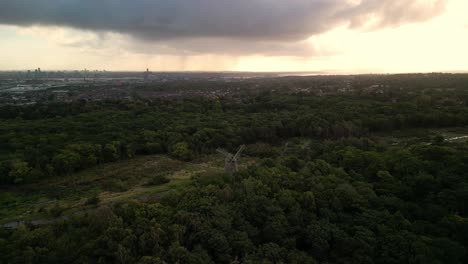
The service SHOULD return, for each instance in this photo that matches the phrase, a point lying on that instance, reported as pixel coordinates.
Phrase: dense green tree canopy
(332, 181)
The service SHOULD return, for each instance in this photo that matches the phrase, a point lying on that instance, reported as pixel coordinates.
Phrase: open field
(112, 182)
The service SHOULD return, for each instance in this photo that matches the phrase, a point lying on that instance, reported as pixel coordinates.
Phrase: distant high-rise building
(147, 73)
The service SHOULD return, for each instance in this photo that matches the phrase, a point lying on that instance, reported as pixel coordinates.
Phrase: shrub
(115, 186)
(181, 151)
(159, 179)
(93, 200)
(57, 210)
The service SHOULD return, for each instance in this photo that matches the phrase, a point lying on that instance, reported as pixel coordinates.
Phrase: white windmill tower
(230, 161)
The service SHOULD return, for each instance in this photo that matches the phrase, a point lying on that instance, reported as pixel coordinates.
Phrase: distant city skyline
(336, 36)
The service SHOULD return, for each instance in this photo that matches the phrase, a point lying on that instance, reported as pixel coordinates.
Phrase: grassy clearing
(422, 135)
(109, 182)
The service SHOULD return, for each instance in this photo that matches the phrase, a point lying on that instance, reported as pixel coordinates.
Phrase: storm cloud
(203, 25)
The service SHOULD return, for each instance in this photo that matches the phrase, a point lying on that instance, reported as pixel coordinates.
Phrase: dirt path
(456, 138)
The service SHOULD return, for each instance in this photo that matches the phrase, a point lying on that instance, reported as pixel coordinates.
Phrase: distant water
(286, 74)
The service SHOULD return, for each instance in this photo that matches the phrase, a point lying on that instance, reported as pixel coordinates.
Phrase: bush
(93, 200)
(181, 151)
(159, 179)
(115, 186)
(57, 210)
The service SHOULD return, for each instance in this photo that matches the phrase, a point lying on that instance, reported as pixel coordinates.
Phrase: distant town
(38, 86)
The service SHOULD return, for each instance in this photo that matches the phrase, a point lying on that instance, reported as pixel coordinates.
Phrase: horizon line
(323, 72)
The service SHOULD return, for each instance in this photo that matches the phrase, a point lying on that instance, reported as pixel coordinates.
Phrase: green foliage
(159, 179)
(56, 140)
(115, 185)
(93, 200)
(181, 151)
(324, 210)
(19, 171)
(348, 190)
(66, 162)
(111, 151)
(57, 210)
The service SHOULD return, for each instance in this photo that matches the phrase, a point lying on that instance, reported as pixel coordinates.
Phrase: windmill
(230, 161)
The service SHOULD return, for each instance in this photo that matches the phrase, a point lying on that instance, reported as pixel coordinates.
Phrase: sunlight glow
(436, 45)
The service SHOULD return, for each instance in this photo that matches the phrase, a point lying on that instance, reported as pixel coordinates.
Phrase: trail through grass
(110, 182)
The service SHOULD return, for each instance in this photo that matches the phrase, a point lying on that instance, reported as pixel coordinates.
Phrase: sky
(329, 36)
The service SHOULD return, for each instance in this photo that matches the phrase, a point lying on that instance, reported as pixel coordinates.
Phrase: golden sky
(437, 43)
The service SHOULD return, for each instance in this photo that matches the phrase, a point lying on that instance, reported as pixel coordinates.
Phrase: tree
(66, 162)
(181, 151)
(111, 151)
(19, 171)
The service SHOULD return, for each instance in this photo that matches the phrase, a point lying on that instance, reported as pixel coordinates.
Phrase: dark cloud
(226, 46)
(194, 24)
